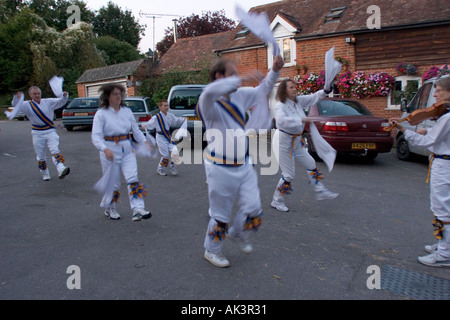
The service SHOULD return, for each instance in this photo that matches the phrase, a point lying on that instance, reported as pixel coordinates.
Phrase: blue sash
(48, 124)
(163, 131)
(230, 108)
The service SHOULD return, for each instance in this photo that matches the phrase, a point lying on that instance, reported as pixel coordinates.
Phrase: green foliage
(112, 21)
(36, 44)
(159, 87)
(15, 59)
(54, 12)
(116, 51)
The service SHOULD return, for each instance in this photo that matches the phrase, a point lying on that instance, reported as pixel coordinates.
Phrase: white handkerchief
(17, 104)
(56, 83)
(332, 67)
(182, 131)
(105, 185)
(142, 149)
(259, 25)
(324, 150)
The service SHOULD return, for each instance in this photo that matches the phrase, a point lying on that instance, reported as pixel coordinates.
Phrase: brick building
(413, 31)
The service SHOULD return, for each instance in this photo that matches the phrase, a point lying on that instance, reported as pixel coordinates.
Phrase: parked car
(349, 127)
(423, 99)
(58, 112)
(183, 100)
(20, 116)
(80, 112)
(143, 108)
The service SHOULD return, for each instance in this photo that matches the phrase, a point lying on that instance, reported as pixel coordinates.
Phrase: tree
(32, 52)
(112, 21)
(193, 26)
(54, 12)
(16, 68)
(116, 51)
(9, 8)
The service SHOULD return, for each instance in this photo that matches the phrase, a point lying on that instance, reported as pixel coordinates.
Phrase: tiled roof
(191, 54)
(115, 71)
(308, 16)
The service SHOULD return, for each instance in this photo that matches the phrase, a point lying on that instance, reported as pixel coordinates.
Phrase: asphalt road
(317, 250)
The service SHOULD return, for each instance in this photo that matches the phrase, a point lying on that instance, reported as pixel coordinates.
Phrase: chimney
(175, 30)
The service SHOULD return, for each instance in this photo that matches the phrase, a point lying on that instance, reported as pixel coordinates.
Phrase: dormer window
(335, 14)
(243, 33)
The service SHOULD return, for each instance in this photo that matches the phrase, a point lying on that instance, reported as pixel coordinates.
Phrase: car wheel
(69, 128)
(402, 149)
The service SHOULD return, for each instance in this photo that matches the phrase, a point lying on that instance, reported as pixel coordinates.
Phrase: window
(283, 32)
(335, 14)
(405, 88)
(287, 51)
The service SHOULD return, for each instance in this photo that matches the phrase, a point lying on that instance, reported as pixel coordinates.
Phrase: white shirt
(169, 120)
(109, 123)
(437, 139)
(47, 106)
(289, 115)
(225, 135)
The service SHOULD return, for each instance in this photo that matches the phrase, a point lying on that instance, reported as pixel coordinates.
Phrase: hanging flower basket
(301, 67)
(344, 62)
(406, 68)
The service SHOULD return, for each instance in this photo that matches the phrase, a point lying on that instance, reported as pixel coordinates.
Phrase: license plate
(81, 114)
(359, 146)
(193, 118)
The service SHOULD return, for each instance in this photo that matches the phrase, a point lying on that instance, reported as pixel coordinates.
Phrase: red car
(349, 127)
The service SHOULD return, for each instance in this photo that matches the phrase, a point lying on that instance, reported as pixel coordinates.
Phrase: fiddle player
(437, 140)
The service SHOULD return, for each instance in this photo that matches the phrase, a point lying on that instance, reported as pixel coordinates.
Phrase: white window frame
(288, 33)
(404, 79)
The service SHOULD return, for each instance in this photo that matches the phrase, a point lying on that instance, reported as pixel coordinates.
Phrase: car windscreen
(185, 99)
(135, 105)
(342, 108)
(83, 103)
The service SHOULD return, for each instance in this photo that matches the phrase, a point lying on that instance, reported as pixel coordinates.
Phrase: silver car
(183, 101)
(143, 108)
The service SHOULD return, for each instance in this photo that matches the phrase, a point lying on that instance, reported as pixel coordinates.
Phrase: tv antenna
(154, 16)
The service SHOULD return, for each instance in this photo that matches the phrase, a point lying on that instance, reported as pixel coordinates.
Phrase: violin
(417, 116)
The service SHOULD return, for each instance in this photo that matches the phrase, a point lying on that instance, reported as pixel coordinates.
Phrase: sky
(167, 11)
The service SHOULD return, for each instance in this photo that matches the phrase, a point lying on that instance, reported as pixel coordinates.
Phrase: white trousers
(227, 184)
(125, 161)
(46, 138)
(440, 200)
(291, 150)
(165, 148)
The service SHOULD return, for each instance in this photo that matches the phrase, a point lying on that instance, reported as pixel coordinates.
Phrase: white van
(183, 101)
(422, 100)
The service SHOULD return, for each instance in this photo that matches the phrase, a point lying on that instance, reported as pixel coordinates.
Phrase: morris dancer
(290, 119)
(437, 139)
(162, 123)
(40, 113)
(111, 136)
(230, 175)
